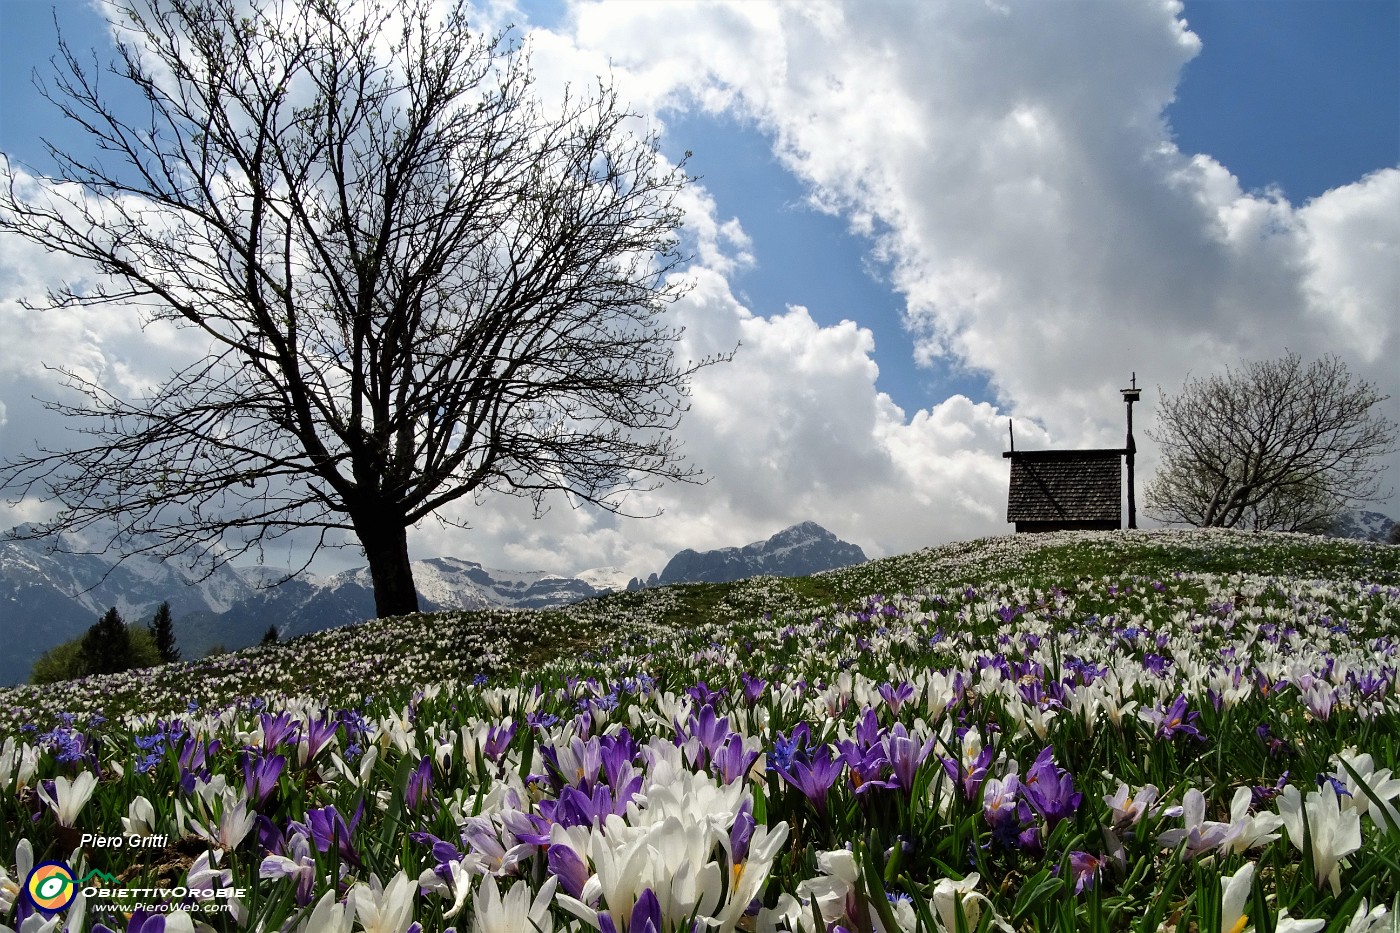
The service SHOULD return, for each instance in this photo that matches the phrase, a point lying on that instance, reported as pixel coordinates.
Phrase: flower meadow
(1145, 731)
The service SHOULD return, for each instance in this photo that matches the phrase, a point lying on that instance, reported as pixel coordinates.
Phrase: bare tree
(1276, 445)
(417, 282)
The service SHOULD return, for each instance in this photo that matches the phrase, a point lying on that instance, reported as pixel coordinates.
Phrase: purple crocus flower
(999, 806)
(1372, 684)
(868, 731)
(1261, 794)
(646, 914)
(1085, 868)
(1050, 789)
(702, 735)
(815, 780)
(786, 749)
(193, 755)
(328, 828)
(971, 778)
(731, 761)
(444, 853)
(498, 740)
(1156, 664)
(277, 729)
(260, 774)
(1029, 839)
(575, 808)
(702, 694)
(268, 835)
(753, 689)
(588, 753)
(867, 766)
(741, 833)
(1175, 719)
(419, 789)
(319, 733)
(896, 697)
(619, 752)
(905, 755)
(572, 872)
(294, 860)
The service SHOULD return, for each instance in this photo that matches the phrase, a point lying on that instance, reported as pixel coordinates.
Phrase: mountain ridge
(61, 593)
(797, 551)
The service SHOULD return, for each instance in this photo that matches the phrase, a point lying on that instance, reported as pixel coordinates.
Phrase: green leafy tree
(162, 631)
(59, 663)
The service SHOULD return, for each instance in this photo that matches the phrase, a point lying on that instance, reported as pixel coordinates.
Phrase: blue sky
(1299, 94)
(1020, 204)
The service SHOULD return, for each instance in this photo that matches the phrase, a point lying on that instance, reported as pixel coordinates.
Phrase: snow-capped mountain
(48, 597)
(607, 579)
(1362, 525)
(797, 551)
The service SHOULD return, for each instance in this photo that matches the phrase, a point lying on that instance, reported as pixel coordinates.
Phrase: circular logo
(51, 886)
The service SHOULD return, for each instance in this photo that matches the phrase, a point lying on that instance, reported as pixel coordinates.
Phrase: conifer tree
(163, 633)
(270, 637)
(107, 645)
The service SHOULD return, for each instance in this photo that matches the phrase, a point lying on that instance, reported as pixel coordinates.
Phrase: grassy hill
(1132, 731)
(390, 658)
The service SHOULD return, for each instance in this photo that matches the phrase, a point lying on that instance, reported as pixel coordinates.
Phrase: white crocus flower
(1286, 924)
(787, 912)
(1129, 807)
(1335, 832)
(1375, 920)
(398, 731)
(206, 875)
(140, 819)
(839, 876)
(458, 890)
(514, 913)
(9, 760)
(1249, 832)
(1234, 895)
(69, 797)
(234, 823)
(329, 916)
(36, 923)
(10, 887)
(948, 894)
(1201, 835)
(749, 875)
(384, 910)
(620, 859)
(1380, 784)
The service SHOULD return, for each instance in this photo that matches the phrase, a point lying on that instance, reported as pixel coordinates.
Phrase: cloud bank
(1012, 169)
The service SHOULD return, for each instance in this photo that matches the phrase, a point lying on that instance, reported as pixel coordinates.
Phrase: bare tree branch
(1273, 446)
(417, 283)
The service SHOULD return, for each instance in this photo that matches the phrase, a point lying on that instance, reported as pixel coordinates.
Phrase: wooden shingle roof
(1065, 485)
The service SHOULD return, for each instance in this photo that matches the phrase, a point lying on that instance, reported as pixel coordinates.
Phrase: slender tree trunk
(385, 541)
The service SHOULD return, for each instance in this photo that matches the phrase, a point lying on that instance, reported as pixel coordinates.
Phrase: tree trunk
(385, 541)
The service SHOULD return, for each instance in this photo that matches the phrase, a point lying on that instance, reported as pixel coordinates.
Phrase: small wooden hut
(1064, 490)
(1069, 490)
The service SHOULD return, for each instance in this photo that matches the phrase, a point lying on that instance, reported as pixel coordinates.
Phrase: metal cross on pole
(1131, 395)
